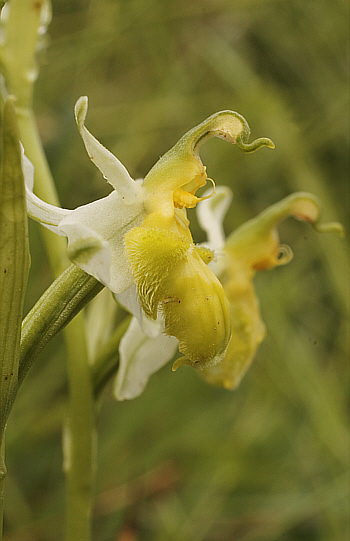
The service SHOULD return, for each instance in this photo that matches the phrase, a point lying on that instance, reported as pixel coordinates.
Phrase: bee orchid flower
(138, 237)
(252, 247)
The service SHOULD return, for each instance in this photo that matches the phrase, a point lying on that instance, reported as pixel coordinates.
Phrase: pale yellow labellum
(255, 246)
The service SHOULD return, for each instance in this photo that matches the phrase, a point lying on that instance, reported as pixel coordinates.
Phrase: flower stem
(25, 23)
(79, 441)
(66, 296)
(60, 303)
(44, 186)
(79, 454)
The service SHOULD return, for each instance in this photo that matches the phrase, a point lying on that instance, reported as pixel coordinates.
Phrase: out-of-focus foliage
(185, 461)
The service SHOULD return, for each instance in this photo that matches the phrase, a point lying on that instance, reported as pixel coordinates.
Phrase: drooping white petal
(211, 214)
(107, 221)
(140, 357)
(48, 215)
(111, 168)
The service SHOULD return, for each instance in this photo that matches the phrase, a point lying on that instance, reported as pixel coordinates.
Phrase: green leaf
(14, 259)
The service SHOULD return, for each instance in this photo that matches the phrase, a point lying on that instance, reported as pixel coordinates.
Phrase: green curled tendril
(255, 145)
(181, 166)
(227, 125)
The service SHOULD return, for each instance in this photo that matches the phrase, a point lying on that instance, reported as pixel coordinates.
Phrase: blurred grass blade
(14, 259)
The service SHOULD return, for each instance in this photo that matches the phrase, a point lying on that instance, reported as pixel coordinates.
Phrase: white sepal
(140, 357)
(107, 219)
(48, 215)
(111, 168)
(211, 214)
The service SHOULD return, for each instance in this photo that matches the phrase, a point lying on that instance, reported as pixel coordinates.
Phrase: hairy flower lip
(172, 279)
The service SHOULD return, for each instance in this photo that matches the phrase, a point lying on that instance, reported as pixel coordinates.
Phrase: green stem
(79, 454)
(60, 303)
(79, 440)
(80, 410)
(44, 185)
(25, 23)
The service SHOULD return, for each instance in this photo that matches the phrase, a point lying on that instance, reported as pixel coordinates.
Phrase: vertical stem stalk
(26, 21)
(79, 440)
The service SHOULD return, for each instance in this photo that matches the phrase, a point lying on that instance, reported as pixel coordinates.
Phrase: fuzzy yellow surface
(172, 278)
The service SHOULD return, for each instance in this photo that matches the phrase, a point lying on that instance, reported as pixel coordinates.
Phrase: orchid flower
(252, 247)
(138, 237)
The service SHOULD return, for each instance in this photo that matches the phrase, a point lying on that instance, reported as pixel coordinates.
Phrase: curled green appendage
(284, 255)
(255, 145)
(227, 125)
(332, 227)
(181, 166)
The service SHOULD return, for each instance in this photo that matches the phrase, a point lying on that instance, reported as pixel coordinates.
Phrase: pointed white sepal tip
(80, 109)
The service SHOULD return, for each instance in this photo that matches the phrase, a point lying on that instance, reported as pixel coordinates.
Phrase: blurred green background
(185, 461)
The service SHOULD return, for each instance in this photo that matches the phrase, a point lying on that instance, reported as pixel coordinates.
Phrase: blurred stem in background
(25, 24)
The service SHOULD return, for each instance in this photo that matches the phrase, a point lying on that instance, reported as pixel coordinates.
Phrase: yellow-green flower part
(174, 179)
(139, 236)
(255, 246)
(171, 275)
(173, 279)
